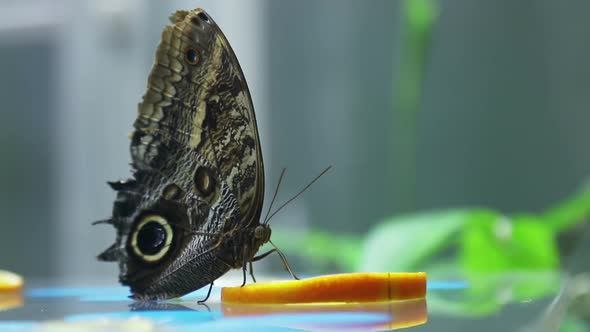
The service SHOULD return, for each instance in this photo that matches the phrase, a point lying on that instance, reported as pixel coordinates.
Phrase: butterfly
(192, 210)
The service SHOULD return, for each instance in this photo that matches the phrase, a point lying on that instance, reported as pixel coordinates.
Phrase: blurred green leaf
(402, 243)
(522, 242)
(573, 324)
(418, 17)
(568, 213)
(323, 248)
(420, 14)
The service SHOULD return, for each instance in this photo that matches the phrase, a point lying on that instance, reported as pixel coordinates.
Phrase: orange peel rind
(338, 288)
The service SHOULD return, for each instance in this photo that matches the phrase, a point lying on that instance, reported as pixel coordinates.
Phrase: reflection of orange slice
(344, 288)
(10, 300)
(402, 314)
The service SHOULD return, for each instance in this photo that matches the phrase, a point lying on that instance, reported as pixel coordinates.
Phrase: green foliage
(570, 212)
(499, 243)
(487, 241)
(418, 18)
(324, 250)
(573, 324)
(421, 15)
(402, 243)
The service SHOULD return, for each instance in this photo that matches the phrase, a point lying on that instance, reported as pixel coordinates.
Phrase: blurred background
(429, 111)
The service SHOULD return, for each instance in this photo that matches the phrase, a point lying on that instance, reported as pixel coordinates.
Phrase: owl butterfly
(192, 210)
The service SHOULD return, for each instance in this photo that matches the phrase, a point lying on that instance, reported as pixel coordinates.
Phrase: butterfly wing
(198, 164)
(197, 99)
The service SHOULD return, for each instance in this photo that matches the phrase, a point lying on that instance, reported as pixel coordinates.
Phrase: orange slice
(342, 288)
(10, 282)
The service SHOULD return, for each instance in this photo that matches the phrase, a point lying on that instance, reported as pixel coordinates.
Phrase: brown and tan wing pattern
(197, 100)
(198, 170)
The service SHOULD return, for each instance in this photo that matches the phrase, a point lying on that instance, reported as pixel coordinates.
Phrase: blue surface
(105, 294)
(173, 317)
(447, 285)
(17, 326)
(59, 292)
(75, 305)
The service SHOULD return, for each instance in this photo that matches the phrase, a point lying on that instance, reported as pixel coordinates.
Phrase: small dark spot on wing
(203, 17)
(249, 142)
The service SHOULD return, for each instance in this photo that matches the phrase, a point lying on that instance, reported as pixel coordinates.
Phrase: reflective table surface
(505, 303)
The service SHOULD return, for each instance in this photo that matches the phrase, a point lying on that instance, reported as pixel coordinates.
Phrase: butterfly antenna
(299, 193)
(275, 194)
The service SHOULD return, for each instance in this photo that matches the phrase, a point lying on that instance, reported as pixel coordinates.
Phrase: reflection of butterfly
(192, 210)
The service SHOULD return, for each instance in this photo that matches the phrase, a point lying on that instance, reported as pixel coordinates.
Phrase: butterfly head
(262, 233)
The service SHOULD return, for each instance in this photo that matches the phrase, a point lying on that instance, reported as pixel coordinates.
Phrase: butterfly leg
(259, 257)
(286, 264)
(244, 264)
(252, 271)
(208, 293)
(283, 259)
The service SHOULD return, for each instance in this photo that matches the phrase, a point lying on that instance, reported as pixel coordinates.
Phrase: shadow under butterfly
(192, 210)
